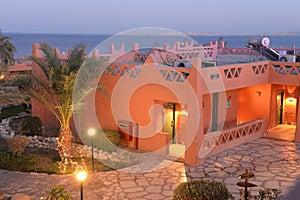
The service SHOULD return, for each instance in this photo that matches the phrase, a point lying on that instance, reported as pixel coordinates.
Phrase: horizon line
(188, 33)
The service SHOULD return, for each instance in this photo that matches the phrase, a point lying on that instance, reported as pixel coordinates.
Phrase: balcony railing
(285, 73)
(218, 141)
(230, 76)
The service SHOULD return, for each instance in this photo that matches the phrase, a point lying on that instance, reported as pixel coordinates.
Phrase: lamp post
(92, 132)
(81, 176)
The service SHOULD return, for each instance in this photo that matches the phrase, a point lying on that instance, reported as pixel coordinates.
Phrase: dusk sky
(112, 16)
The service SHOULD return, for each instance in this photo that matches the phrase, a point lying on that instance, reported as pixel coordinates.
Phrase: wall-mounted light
(291, 99)
(184, 113)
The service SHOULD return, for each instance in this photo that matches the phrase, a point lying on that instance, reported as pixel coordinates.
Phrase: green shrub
(268, 194)
(58, 192)
(201, 190)
(113, 136)
(17, 162)
(32, 126)
(107, 140)
(17, 144)
(12, 110)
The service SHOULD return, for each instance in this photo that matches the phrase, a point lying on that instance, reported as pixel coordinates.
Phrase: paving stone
(155, 196)
(230, 170)
(131, 190)
(197, 174)
(271, 184)
(127, 184)
(218, 174)
(261, 168)
(157, 181)
(142, 182)
(152, 175)
(231, 180)
(136, 195)
(280, 170)
(20, 196)
(154, 189)
(280, 178)
(167, 193)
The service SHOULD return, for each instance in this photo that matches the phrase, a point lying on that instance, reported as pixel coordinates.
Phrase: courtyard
(274, 163)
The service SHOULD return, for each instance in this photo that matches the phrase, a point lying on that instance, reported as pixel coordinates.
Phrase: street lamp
(81, 176)
(92, 132)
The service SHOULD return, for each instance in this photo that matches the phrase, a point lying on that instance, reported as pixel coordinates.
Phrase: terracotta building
(192, 109)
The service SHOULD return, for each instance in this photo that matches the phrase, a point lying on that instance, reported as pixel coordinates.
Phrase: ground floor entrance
(173, 122)
(282, 132)
(283, 113)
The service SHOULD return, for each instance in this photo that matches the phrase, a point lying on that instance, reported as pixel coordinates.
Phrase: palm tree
(53, 88)
(7, 50)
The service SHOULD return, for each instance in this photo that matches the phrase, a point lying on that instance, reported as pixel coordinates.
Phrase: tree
(7, 50)
(53, 88)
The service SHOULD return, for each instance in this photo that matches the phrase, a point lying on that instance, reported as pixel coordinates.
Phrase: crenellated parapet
(180, 50)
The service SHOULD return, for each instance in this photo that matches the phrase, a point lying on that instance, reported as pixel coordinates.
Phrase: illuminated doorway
(172, 118)
(279, 107)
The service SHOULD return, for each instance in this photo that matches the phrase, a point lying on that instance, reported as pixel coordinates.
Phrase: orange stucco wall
(158, 143)
(227, 115)
(290, 105)
(206, 104)
(143, 99)
(141, 111)
(254, 102)
(230, 111)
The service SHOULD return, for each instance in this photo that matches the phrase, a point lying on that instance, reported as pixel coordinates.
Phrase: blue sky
(112, 16)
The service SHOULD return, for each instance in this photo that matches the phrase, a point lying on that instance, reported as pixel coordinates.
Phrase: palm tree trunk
(65, 143)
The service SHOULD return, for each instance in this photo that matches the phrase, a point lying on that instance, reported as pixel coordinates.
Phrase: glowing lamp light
(91, 131)
(291, 99)
(81, 176)
(184, 113)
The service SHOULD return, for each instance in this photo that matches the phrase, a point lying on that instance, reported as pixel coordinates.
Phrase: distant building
(20, 67)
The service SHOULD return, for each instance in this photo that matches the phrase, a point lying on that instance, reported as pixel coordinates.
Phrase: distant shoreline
(188, 33)
(243, 34)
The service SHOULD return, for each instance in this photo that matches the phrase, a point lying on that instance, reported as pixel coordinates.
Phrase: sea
(23, 41)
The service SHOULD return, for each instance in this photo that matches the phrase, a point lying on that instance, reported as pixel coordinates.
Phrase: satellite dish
(265, 42)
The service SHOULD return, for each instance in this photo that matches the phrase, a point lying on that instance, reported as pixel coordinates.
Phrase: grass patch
(41, 160)
(17, 162)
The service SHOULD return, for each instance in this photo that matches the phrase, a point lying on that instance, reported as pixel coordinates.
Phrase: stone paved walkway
(276, 164)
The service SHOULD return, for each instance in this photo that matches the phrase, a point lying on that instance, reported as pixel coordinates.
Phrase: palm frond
(7, 50)
(76, 57)
(12, 97)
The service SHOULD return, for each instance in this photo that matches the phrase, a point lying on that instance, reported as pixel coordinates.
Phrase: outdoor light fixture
(92, 132)
(81, 176)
